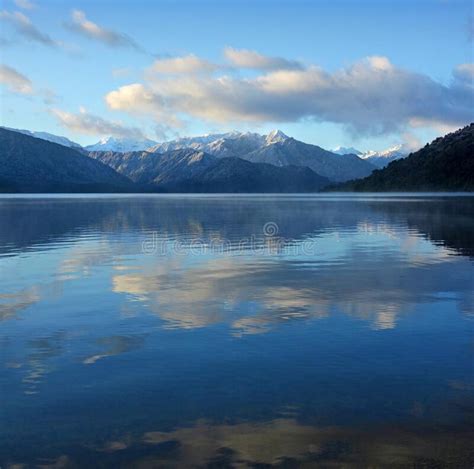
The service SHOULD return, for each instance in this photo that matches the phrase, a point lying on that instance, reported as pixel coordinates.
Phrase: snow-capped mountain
(223, 145)
(235, 145)
(275, 136)
(377, 158)
(49, 137)
(384, 157)
(189, 170)
(188, 142)
(274, 148)
(121, 144)
(291, 152)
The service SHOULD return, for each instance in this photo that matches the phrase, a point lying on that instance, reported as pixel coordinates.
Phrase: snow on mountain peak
(275, 136)
(392, 150)
(384, 157)
(120, 144)
(377, 158)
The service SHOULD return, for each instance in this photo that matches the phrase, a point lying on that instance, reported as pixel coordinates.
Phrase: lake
(237, 331)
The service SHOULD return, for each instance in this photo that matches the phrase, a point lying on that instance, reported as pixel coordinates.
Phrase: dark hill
(29, 164)
(446, 164)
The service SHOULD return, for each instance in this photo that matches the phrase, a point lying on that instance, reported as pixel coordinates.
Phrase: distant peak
(393, 149)
(111, 139)
(340, 150)
(106, 140)
(121, 144)
(276, 136)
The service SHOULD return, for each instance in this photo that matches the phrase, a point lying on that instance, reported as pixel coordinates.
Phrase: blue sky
(367, 74)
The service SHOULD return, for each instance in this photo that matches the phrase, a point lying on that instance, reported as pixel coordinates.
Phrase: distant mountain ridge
(265, 163)
(29, 164)
(146, 168)
(120, 144)
(47, 136)
(446, 164)
(325, 163)
(384, 157)
(276, 149)
(234, 143)
(197, 143)
(188, 170)
(380, 159)
(222, 145)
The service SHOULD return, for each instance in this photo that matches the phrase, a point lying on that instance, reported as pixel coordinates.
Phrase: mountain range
(230, 162)
(120, 144)
(190, 170)
(234, 143)
(276, 149)
(293, 152)
(30, 164)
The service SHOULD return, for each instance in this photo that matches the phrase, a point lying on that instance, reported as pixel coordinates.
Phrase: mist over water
(236, 330)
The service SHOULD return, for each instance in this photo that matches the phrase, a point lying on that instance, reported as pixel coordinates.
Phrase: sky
(367, 74)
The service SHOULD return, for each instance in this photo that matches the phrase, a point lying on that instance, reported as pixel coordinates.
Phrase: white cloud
(90, 124)
(25, 4)
(369, 97)
(26, 28)
(91, 30)
(134, 98)
(15, 81)
(245, 58)
(182, 65)
(137, 99)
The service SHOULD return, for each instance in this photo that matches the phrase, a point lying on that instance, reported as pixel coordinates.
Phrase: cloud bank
(90, 124)
(371, 96)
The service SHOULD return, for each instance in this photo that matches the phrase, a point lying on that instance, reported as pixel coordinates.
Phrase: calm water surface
(237, 331)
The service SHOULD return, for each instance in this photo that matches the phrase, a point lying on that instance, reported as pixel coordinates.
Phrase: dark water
(292, 331)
